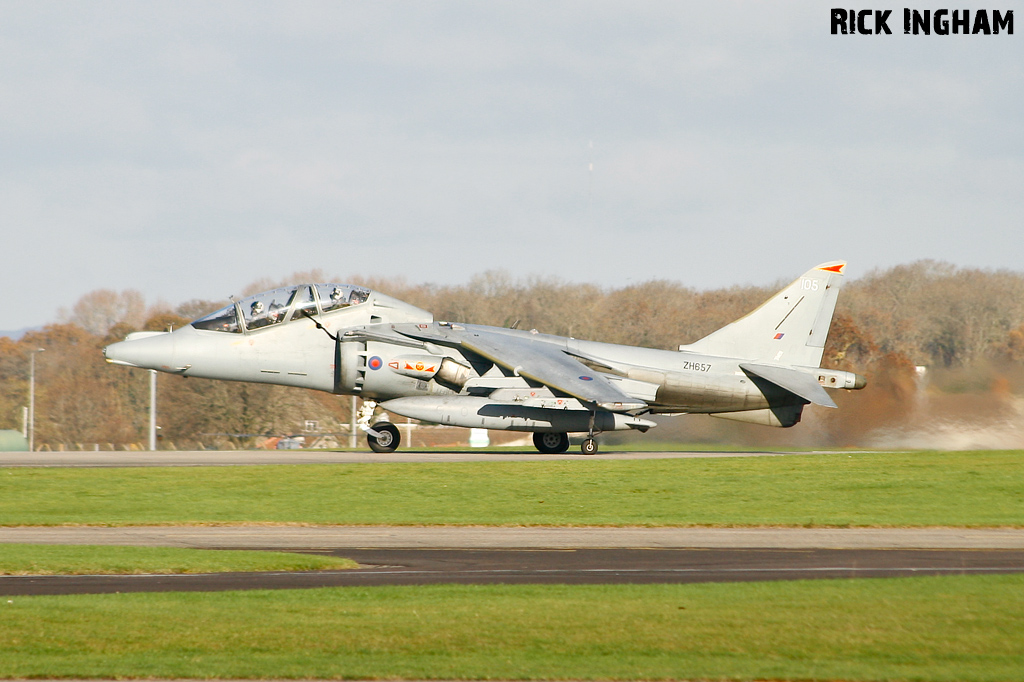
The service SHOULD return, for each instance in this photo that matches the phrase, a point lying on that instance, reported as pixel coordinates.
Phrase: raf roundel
(585, 378)
(375, 362)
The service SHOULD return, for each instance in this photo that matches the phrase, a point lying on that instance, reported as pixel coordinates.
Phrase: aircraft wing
(793, 380)
(537, 360)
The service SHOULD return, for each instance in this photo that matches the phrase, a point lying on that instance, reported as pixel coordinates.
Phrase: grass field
(864, 489)
(18, 559)
(945, 628)
(928, 628)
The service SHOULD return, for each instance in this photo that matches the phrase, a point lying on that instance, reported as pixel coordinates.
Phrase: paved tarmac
(425, 555)
(483, 537)
(164, 458)
(577, 567)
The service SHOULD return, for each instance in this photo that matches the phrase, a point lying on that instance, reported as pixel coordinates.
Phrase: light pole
(32, 398)
(352, 425)
(152, 410)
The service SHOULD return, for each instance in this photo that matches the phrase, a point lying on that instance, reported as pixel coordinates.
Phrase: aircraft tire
(589, 446)
(389, 439)
(551, 443)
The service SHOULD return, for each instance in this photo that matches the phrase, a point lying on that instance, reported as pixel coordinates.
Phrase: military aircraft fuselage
(349, 340)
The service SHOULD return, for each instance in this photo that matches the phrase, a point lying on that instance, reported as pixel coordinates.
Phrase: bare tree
(99, 310)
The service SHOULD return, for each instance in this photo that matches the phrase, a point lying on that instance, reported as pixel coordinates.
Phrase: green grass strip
(962, 628)
(863, 489)
(16, 559)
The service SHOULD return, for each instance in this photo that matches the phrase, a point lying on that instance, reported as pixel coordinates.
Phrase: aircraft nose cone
(116, 353)
(149, 350)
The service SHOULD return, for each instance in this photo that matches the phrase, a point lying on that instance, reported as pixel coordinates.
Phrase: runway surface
(577, 567)
(165, 458)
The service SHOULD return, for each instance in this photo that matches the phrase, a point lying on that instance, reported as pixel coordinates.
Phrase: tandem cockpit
(281, 328)
(280, 306)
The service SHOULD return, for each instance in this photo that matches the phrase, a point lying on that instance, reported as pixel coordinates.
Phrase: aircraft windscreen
(223, 320)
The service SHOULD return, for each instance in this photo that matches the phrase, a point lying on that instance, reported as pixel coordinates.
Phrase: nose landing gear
(387, 439)
(382, 436)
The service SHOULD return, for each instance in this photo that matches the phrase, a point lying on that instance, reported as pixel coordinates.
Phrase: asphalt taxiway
(546, 566)
(479, 555)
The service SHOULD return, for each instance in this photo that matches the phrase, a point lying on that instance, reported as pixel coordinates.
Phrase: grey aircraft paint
(762, 368)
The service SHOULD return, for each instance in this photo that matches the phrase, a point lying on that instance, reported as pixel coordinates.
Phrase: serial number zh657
(696, 366)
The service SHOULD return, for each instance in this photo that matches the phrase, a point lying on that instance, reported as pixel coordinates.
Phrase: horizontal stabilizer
(793, 380)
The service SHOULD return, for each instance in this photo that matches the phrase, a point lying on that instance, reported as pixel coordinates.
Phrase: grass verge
(863, 489)
(933, 628)
(17, 559)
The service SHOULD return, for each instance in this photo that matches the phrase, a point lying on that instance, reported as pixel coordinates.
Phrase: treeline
(964, 326)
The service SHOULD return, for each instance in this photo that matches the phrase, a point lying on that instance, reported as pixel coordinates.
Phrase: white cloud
(188, 148)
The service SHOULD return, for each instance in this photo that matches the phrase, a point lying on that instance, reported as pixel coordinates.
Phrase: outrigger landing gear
(551, 443)
(589, 445)
(387, 439)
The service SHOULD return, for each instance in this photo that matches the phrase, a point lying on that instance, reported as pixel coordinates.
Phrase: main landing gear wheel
(551, 443)
(589, 447)
(388, 440)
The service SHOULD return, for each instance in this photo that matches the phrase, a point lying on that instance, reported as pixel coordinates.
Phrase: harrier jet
(348, 340)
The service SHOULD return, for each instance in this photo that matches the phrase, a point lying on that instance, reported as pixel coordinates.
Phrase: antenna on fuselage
(337, 350)
(333, 337)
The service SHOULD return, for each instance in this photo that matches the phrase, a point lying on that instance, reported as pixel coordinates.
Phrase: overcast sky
(185, 149)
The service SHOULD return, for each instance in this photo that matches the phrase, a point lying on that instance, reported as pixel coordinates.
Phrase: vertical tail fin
(789, 328)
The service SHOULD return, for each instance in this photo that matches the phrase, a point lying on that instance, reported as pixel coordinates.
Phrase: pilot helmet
(257, 307)
(336, 294)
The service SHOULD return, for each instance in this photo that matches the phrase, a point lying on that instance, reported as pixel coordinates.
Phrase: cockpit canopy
(281, 306)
